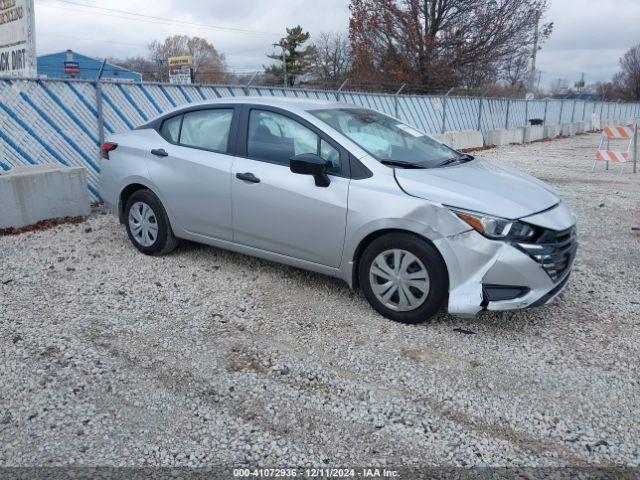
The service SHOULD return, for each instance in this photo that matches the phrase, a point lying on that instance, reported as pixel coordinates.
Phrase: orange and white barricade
(606, 153)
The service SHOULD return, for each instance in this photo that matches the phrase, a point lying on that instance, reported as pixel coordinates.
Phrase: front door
(280, 211)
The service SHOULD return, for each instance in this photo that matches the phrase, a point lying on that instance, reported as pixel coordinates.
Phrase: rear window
(207, 129)
(171, 128)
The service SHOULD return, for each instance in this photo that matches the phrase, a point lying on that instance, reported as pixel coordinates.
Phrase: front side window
(386, 138)
(331, 155)
(276, 138)
(208, 129)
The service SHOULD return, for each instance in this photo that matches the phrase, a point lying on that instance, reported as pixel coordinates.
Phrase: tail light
(108, 147)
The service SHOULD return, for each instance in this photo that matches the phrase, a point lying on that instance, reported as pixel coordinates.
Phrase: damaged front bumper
(495, 275)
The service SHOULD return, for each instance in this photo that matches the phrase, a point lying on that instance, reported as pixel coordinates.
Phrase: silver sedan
(347, 192)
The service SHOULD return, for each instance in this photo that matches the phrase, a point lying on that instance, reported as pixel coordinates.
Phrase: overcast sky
(589, 35)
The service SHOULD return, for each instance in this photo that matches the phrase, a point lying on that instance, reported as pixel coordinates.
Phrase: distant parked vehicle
(347, 192)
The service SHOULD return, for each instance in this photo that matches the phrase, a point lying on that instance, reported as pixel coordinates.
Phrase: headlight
(497, 228)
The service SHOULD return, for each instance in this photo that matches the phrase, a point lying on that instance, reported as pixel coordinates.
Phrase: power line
(106, 14)
(151, 19)
(145, 45)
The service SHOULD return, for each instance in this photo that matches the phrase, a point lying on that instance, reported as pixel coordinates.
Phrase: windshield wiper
(398, 163)
(462, 158)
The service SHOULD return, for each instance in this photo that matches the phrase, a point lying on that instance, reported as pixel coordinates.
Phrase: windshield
(386, 138)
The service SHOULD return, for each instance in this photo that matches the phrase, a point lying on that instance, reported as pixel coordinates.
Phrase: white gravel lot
(205, 357)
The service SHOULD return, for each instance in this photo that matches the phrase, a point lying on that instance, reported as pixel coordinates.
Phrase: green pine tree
(295, 56)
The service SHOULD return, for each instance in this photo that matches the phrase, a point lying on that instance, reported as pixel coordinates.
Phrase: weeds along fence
(66, 121)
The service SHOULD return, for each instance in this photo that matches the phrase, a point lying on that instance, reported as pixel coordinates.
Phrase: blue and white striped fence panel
(44, 121)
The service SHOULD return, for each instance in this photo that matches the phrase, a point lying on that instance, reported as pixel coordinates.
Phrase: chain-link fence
(65, 121)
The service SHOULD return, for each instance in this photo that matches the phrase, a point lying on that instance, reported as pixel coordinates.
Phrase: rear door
(192, 169)
(280, 211)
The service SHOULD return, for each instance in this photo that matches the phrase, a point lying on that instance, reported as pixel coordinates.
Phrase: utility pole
(534, 53)
(284, 68)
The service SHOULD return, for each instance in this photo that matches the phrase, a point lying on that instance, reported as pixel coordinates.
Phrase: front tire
(403, 277)
(148, 225)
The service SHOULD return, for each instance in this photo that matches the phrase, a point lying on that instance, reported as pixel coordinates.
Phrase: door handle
(159, 152)
(248, 177)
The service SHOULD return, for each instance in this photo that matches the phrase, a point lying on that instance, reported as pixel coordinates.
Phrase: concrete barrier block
(464, 140)
(31, 194)
(551, 131)
(445, 138)
(568, 129)
(497, 137)
(580, 127)
(504, 136)
(533, 133)
(588, 126)
(517, 135)
(467, 139)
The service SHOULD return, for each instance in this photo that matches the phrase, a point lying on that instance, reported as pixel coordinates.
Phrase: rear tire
(148, 225)
(403, 277)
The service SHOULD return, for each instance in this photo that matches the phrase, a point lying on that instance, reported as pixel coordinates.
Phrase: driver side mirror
(311, 164)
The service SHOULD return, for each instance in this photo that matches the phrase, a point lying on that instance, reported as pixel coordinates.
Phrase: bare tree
(150, 71)
(330, 59)
(474, 76)
(433, 42)
(207, 63)
(628, 80)
(515, 71)
(607, 91)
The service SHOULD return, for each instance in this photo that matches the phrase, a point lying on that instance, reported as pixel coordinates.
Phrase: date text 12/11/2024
(315, 473)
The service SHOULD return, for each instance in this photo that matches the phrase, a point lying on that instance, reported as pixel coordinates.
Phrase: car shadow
(484, 322)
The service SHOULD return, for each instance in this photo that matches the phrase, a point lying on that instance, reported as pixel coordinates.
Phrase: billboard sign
(180, 76)
(179, 62)
(17, 38)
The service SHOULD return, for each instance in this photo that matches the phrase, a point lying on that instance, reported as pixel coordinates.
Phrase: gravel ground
(206, 357)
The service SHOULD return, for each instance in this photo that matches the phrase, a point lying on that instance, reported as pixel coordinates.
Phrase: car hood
(480, 186)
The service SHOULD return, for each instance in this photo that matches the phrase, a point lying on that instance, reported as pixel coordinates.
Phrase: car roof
(294, 105)
(288, 103)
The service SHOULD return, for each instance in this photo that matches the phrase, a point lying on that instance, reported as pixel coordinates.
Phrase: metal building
(70, 64)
